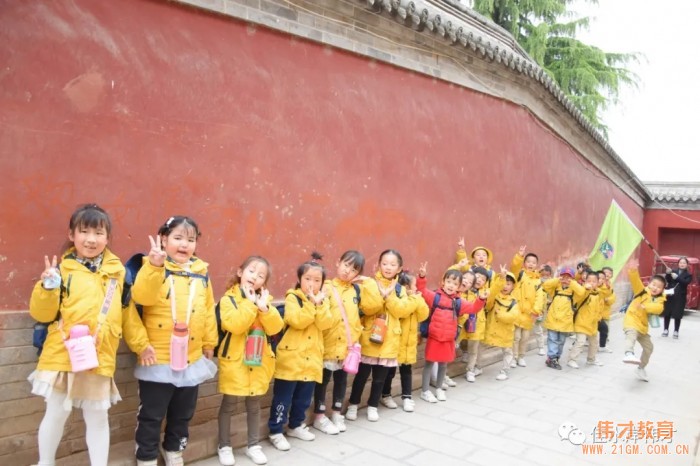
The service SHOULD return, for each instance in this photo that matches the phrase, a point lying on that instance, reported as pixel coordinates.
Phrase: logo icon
(568, 431)
(607, 250)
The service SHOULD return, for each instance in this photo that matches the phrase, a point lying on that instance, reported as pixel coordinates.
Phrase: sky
(655, 128)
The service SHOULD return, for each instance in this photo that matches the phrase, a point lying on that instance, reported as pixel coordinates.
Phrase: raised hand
(463, 263)
(522, 250)
(249, 293)
(423, 269)
(633, 264)
(148, 356)
(504, 271)
(460, 242)
(156, 256)
(49, 267)
(262, 300)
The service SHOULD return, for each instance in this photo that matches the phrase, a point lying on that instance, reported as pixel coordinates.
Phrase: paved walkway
(517, 422)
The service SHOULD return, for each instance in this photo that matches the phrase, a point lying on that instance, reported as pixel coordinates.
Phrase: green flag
(618, 239)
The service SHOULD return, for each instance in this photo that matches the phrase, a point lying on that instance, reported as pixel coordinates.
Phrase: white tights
(51, 431)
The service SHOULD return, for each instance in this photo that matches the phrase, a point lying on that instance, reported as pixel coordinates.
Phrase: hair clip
(170, 220)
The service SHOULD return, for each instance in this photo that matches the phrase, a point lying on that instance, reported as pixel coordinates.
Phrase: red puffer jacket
(444, 317)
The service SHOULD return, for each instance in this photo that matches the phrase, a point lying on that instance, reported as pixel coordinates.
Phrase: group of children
(363, 325)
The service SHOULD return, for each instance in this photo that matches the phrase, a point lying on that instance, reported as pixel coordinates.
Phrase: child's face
(389, 266)
(254, 275)
(480, 257)
(601, 279)
(592, 281)
(451, 285)
(545, 274)
(508, 287)
(180, 244)
(467, 283)
(480, 281)
(412, 288)
(531, 263)
(608, 274)
(346, 271)
(312, 280)
(89, 242)
(565, 280)
(656, 287)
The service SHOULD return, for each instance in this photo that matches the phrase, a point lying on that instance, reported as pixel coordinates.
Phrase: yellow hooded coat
(529, 293)
(643, 304)
(335, 340)
(501, 314)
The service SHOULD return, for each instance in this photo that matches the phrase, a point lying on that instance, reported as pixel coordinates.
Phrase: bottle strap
(106, 303)
(190, 300)
(345, 316)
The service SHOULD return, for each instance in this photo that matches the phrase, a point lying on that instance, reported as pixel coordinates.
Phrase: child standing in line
(537, 329)
(478, 325)
(560, 316)
(445, 309)
(300, 354)
(649, 300)
(608, 298)
(479, 257)
(344, 298)
(247, 318)
(531, 300)
(84, 289)
(383, 302)
(408, 348)
(586, 318)
(174, 289)
(501, 314)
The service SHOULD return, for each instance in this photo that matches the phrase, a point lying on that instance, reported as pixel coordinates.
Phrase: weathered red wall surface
(275, 145)
(658, 220)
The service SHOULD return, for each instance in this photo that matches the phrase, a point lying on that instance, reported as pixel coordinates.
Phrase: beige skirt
(82, 389)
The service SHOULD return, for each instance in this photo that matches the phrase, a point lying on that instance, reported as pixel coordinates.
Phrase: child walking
(649, 300)
(501, 314)
(531, 300)
(408, 349)
(300, 354)
(174, 289)
(82, 295)
(344, 298)
(383, 302)
(246, 360)
(445, 309)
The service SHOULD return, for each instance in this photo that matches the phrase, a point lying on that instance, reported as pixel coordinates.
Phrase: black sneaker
(555, 364)
(549, 363)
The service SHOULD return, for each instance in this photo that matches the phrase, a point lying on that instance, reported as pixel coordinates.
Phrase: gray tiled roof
(674, 192)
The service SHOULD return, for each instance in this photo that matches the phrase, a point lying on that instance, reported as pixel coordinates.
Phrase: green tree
(546, 29)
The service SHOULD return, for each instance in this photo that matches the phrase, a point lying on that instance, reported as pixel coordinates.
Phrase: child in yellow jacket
(408, 349)
(87, 282)
(587, 315)
(344, 298)
(501, 314)
(608, 298)
(531, 300)
(300, 354)
(649, 300)
(247, 318)
(174, 289)
(474, 325)
(384, 302)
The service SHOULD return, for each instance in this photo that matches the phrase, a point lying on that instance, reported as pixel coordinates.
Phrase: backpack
(224, 336)
(425, 325)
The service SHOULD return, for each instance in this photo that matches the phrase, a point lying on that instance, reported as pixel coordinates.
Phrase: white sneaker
(642, 374)
(226, 456)
(339, 421)
(595, 362)
(408, 405)
(542, 352)
(605, 349)
(389, 402)
(470, 377)
(478, 371)
(302, 433)
(428, 396)
(440, 395)
(351, 413)
(256, 454)
(521, 362)
(138, 463)
(325, 425)
(172, 458)
(279, 442)
(513, 364)
(433, 383)
(450, 382)
(372, 414)
(572, 364)
(630, 358)
(502, 376)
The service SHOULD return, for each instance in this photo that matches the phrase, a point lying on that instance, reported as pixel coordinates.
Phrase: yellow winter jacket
(373, 304)
(480, 329)
(152, 290)
(239, 315)
(300, 352)
(608, 298)
(637, 315)
(529, 294)
(335, 344)
(501, 314)
(83, 293)
(408, 348)
(560, 316)
(589, 310)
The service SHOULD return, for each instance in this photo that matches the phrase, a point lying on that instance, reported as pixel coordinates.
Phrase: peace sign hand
(460, 242)
(522, 250)
(423, 269)
(504, 271)
(156, 256)
(50, 267)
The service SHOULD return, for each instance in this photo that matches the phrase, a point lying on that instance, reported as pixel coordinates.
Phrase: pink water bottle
(81, 349)
(254, 344)
(179, 346)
